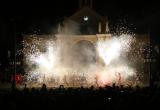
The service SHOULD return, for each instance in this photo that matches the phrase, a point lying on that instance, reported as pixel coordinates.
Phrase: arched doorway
(84, 53)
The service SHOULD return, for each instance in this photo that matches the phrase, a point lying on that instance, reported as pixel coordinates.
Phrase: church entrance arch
(84, 52)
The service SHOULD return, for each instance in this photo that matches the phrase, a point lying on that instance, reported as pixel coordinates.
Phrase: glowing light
(112, 52)
(85, 18)
(46, 60)
(109, 51)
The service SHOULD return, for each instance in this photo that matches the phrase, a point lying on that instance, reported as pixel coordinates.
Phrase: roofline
(91, 10)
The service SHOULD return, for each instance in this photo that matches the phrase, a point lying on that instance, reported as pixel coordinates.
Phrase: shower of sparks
(43, 62)
(111, 49)
(113, 53)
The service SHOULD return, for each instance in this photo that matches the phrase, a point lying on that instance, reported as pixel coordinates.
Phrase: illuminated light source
(109, 98)
(85, 18)
(111, 51)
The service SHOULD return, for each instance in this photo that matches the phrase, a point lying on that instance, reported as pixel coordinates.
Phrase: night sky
(45, 14)
(42, 16)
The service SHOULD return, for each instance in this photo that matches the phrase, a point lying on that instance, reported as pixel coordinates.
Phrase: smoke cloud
(60, 61)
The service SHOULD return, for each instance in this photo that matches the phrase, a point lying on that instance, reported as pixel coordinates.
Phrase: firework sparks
(113, 52)
(44, 64)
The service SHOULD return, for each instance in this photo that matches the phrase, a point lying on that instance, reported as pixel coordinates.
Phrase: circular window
(85, 18)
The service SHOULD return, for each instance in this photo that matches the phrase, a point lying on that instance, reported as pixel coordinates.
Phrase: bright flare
(112, 52)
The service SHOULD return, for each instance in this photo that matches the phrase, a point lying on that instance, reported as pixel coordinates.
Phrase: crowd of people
(108, 97)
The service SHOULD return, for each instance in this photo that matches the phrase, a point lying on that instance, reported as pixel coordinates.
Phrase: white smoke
(57, 64)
